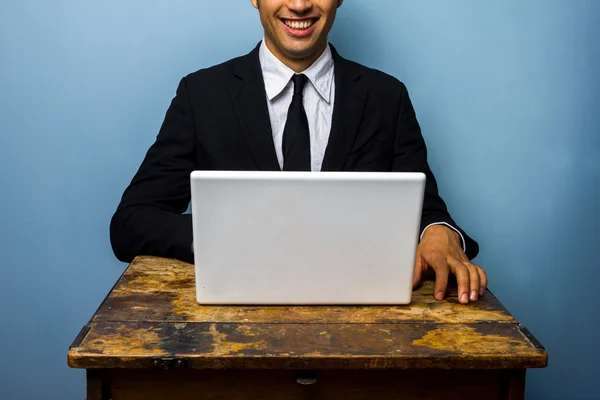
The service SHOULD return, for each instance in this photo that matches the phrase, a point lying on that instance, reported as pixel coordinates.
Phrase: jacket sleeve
(410, 155)
(149, 219)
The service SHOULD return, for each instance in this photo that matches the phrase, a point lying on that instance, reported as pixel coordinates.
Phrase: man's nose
(300, 6)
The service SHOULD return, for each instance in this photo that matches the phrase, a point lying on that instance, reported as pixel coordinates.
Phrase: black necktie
(296, 139)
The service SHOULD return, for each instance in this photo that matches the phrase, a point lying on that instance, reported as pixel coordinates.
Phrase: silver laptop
(305, 237)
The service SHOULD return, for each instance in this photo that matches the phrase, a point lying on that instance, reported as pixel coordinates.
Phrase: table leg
(513, 387)
(97, 382)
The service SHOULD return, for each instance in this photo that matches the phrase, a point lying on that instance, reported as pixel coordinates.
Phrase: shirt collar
(277, 75)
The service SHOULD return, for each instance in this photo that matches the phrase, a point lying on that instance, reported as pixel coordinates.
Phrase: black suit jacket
(219, 120)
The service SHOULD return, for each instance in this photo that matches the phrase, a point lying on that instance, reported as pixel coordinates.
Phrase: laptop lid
(305, 237)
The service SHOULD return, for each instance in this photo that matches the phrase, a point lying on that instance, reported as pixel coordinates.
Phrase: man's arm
(444, 246)
(410, 155)
(149, 219)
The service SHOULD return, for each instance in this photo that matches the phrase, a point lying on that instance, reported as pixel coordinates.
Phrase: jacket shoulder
(214, 74)
(379, 80)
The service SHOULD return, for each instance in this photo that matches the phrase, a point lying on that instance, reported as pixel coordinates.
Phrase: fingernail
(481, 291)
(473, 295)
(439, 295)
(464, 298)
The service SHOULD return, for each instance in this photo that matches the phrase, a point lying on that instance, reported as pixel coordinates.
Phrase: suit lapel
(250, 103)
(348, 108)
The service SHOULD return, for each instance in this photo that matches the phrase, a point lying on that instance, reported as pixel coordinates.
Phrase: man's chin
(300, 52)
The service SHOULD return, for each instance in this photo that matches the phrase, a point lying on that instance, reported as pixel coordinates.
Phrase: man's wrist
(443, 227)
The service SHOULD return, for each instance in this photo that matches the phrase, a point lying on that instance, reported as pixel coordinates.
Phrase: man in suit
(292, 103)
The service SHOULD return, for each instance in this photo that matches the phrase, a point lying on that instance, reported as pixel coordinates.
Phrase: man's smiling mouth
(300, 24)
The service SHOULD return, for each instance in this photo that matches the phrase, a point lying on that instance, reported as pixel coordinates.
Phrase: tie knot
(299, 82)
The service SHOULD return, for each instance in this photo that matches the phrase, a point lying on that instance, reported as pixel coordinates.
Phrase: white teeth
(299, 24)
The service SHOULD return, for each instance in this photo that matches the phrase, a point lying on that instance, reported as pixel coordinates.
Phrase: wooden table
(151, 340)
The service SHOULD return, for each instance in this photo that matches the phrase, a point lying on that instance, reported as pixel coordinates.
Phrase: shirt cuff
(462, 239)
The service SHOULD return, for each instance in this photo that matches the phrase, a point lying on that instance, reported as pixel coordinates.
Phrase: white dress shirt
(319, 96)
(318, 101)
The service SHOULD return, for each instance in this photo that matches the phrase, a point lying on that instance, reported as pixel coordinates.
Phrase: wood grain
(156, 289)
(307, 346)
(151, 318)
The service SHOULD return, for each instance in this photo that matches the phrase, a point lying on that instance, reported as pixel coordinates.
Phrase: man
(293, 103)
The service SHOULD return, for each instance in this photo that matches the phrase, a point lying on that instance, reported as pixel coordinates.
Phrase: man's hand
(441, 250)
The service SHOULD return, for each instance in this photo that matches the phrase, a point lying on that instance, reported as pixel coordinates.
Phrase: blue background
(507, 92)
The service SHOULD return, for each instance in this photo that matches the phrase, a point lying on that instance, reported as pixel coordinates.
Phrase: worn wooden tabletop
(152, 313)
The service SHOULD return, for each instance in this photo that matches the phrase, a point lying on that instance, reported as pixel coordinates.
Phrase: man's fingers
(462, 278)
(473, 281)
(441, 279)
(483, 281)
(418, 270)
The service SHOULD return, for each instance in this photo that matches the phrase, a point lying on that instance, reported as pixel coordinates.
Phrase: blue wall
(507, 92)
